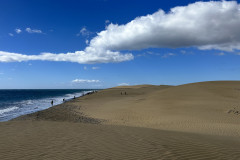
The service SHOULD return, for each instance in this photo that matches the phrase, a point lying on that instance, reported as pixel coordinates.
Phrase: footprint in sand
(234, 111)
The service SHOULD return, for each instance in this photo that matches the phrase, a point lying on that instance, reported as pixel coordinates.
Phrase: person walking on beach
(52, 102)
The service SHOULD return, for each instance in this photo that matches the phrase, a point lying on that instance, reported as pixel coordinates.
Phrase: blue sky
(103, 43)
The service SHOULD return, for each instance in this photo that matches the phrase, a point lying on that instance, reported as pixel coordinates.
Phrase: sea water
(14, 103)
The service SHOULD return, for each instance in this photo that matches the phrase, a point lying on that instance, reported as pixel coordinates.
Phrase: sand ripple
(62, 140)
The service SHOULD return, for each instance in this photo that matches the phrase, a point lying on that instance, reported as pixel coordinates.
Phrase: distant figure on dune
(52, 102)
(125, 93)
(63, 99)
(74, 97)
(121, 93)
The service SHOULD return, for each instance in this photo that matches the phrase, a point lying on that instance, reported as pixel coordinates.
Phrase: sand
(191, 121)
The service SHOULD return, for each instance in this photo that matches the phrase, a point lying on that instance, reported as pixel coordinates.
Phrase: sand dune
(191, 121)
(198, 108)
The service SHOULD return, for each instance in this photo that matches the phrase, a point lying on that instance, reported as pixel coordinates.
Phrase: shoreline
(56, 112)
(19, 107)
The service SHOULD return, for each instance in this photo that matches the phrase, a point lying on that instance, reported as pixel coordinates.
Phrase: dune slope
(207, 107)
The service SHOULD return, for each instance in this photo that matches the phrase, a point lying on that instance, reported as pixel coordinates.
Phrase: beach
(191, 121)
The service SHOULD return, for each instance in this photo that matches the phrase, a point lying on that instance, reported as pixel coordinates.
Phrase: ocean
(16, 102)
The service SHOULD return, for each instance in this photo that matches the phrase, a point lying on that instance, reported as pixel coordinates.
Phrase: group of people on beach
(124, 93)
(63, 100)
(82, 95)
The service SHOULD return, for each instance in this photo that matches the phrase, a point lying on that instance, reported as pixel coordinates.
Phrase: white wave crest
(29, 102)
(8, 109)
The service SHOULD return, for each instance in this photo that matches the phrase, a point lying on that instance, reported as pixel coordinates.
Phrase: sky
(61, 44)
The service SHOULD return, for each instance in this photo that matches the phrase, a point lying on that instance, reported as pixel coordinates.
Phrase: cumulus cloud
(85, 81)
(10, 34)
(18, 30)
(205, 25)
(123, 84)
(29, 30)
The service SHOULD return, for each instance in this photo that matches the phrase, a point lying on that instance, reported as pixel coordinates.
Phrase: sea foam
(2, 111)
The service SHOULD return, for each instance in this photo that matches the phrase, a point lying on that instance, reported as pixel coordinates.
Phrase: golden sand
(192, 121)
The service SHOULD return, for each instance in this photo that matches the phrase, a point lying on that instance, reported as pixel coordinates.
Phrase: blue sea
(14, 103)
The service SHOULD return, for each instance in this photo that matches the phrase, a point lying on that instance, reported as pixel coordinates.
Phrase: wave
(2, 111)
(29, 102)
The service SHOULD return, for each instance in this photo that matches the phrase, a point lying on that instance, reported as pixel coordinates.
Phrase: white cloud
(29, 30)
(95, 68)
(206, 25)
(85, 68)
(18, 30)
(107, 22)
(84, 32)
(148, 53)
(87, 42)
(85, 81)
(90, 56)
(10, 34)
(123, 84)
(168, 55)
